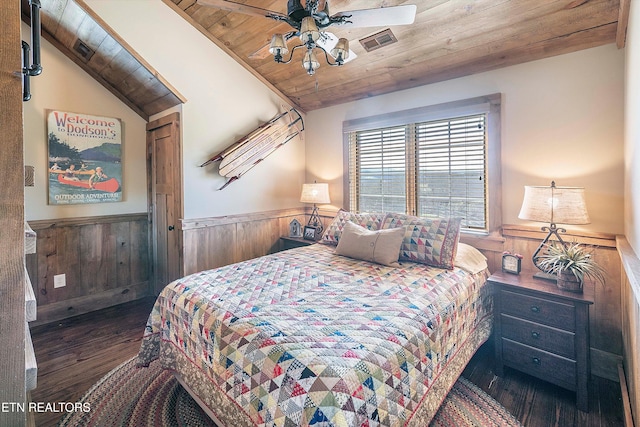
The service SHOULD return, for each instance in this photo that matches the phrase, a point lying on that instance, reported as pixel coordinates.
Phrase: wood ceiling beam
(623, 21)
(128, 47)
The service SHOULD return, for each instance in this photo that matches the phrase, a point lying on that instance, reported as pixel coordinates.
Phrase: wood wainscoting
(630, 300)
(214, 242)
(105, 261)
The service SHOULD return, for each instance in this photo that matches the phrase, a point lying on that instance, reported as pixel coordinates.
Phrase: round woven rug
(132, 396)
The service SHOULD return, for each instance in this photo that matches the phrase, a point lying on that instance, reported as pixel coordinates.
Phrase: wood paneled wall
(105, 261)
(630, 300)
(214, 242)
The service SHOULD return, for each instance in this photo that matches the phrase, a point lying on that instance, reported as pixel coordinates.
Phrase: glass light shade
(554, 205)
(310, 62)
(308, 28)
(341, 48)
(278, 43)
(315, 193)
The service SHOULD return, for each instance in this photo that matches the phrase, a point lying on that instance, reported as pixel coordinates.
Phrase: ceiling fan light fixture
(310, 62)
(278, 46)
(309, 30)
(341, 50)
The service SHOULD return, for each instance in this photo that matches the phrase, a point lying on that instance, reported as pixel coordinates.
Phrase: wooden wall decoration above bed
(251, 149)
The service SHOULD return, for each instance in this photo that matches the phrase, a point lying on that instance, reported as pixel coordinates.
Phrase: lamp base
(546, 276)
(553, 230)
(314, 221)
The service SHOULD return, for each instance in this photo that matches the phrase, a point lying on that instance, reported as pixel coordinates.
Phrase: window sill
(482, 241)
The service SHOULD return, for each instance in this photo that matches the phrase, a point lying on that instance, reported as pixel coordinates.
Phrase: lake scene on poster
(84, 158)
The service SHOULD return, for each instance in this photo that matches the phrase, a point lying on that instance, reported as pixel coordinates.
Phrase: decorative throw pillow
(428, 241)
(370, 221)
(381, 246)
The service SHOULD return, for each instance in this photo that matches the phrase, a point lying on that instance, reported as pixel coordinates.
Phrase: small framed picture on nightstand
(309, 233)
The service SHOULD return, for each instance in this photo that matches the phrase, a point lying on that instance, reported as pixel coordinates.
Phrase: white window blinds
(451, 164)
(431, 169)
(379, 167)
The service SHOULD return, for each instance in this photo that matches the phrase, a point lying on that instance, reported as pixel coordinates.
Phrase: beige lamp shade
(309, 29)
(554, 205)
(315, 193)
(278, 45)
(310, 62)
(341, 49)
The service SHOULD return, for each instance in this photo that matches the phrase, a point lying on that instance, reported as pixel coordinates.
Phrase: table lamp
(555, 205)
(315, 193)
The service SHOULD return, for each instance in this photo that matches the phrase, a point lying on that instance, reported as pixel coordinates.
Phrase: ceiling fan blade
(381, 17)
(233, 6)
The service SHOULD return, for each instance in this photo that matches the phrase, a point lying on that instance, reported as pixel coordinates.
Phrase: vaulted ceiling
(74, 29)
(449, 39)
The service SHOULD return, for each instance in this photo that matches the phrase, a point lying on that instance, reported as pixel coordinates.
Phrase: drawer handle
(535, 309)
(535, 335)
(535, 360)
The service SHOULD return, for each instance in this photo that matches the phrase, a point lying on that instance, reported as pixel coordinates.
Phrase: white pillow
(470, 259)
(381, 246)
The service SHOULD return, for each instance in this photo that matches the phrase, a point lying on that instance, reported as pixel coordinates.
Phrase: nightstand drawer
(540, 336)
(551, 313)
(541, 364)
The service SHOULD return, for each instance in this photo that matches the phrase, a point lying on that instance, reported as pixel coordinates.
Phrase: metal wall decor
(31, 65)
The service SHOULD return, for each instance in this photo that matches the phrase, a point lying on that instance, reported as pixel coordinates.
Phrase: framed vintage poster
(84, 158)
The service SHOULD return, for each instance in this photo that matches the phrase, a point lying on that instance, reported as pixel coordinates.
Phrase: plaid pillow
(428, 241)
(370, 221)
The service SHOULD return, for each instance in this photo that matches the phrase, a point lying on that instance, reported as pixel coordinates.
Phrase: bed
(311, 337)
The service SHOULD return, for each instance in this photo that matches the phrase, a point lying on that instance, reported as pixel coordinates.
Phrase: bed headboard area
(630, 304)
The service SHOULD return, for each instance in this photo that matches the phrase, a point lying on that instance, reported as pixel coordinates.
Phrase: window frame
(488, 104)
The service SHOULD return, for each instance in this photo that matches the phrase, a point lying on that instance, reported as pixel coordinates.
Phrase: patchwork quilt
(308, 338)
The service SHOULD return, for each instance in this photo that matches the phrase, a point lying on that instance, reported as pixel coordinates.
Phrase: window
(437, 161)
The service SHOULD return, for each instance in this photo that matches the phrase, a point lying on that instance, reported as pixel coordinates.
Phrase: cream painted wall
(632, 129)
(224, 102)
(65, 86)
(562, 120)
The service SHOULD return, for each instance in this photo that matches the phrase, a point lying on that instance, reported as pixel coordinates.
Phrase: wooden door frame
(172, 119)
(12, 273)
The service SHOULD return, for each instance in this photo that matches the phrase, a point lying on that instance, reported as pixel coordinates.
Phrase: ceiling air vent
(378, 40)
(83, 50)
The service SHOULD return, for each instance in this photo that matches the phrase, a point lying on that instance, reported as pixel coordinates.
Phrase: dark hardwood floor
(75, 353)
(537, 403)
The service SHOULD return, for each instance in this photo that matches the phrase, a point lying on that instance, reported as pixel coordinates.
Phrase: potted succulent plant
(571, 262)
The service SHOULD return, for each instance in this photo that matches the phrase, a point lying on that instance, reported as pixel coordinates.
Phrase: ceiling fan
(309, 23)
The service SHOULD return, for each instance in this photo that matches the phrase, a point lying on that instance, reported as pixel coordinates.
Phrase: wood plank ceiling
(449, 39)
(74, 29)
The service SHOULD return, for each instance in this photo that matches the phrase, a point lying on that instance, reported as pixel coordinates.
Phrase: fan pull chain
(316, 83)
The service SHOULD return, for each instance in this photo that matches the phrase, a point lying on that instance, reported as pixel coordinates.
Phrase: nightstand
(542, 331)
(293, 242)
